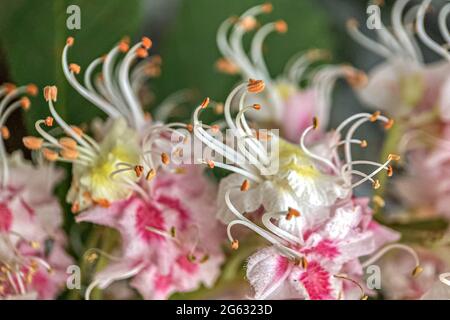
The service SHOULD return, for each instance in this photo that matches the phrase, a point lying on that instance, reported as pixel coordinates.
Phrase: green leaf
(189, 52)
(34, 34)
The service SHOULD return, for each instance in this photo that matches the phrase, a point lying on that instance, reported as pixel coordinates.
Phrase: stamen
(292, 213)
(165, 159)
(5, 133)
(69, 154)
(50, 93)
(204, 103)
(68, 143)
(267, 8)
(50, 155)
(417, 269)
(235, 244)
(374, 116)
(245, 185)
(345, 277)
(248, 23)
(75, 68)
(378, 201)
(32, 143)
(146, 43)
(141, 53)
(150, 175)
(255, 86)
(49, 122)
(70, 41)
(281, 26)
(138, 169)
(32, 89)
(25, 103)
(388, 125)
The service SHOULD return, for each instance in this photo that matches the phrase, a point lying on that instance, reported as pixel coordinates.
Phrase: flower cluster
(162, 218)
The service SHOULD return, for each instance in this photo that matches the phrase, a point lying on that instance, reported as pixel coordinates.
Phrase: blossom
(403, 83)
(95, 161)
(32, 257)
(397, 285)
(288, 104)
(170, 239)
(315, 226)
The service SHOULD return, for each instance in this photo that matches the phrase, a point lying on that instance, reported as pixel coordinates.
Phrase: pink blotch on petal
(149, 216)
(316, 281)
(5, 218)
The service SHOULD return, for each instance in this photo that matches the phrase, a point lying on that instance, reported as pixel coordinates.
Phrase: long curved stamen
(417, 269)
(257, 44)
(358, 36)
(266, 219)
(93, 97)
(399, 30)
(311, 154)
(443, 22)
(124, 81)
(345, 277)
(420, 25)
(104, 283)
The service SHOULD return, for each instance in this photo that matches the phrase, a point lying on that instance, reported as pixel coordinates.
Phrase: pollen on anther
(257, 106)
(255, 86)
(70, 41)
(281, 26)
(49, 154)
(138, 169)
(393, 157)
(376, 184)
(378, 201)
(267, 7)
(68, 143)
(389, 124)
(211, 164)
(75, 208)
(205, 103)
(390, 171)
(235, 244)
(69, 154)
(75, 68)
(248, 23)
(77, 130)
(102, 202)
(142, 53)
(417, 271)
(150, 175)
(165, 159)
(32, 89)
(50, 93)
(315, 123)
(9, 87)
(5, 133)
(32, 143)
(25, 103)
(292, 213)
(303, 262)
(146, 42)
(48, 121)
(245, 185)
(123, 46)
(189, 127)
(374, 116)
(363, 144)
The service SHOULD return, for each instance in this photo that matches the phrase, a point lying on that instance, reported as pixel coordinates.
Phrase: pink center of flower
(149, 217)
(5, 218)
(176, 205)
(316, 281)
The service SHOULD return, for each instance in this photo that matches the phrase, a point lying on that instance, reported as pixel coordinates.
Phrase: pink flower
(170, 239)
(32, 257)
(425, 186)
(404, 83)
(326, 250)
(398, 285)
(285, 103)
